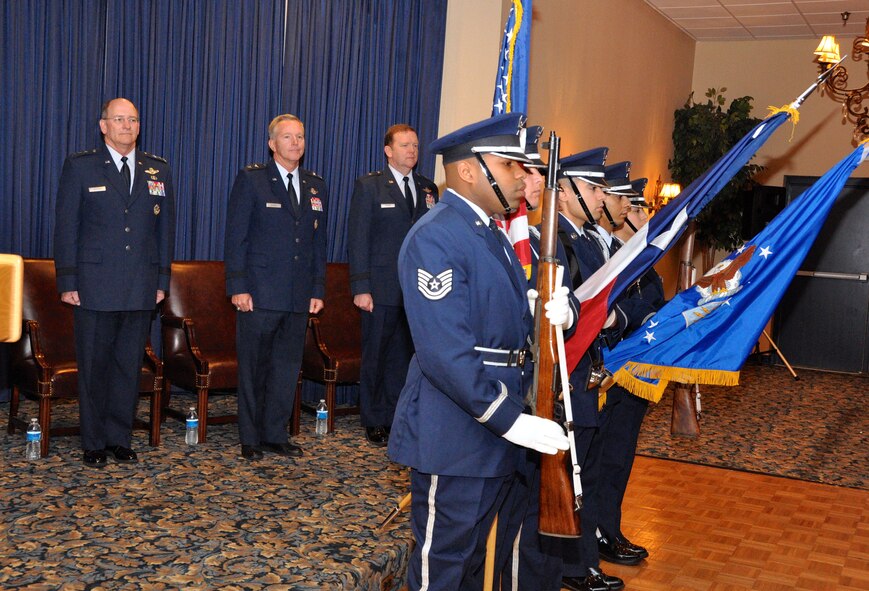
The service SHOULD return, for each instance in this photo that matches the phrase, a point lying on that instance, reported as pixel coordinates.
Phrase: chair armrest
(172, 321)
(187, 326)
(322, 349)
(152, 360)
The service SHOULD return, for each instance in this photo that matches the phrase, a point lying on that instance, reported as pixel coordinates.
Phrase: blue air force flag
(704, 334)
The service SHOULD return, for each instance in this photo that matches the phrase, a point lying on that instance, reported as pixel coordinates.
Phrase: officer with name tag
(582, 180)
(275, 257)
(460, 419)
(385, 204)
(114, 238)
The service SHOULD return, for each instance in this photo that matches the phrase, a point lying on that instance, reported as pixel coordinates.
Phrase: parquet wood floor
(711, 529)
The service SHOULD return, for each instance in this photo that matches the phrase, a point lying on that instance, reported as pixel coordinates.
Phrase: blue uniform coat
(112, 245)
(378, 223)
(272, 252)
(454, 409)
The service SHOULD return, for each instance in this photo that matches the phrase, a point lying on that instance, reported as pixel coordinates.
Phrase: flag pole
(683, 421)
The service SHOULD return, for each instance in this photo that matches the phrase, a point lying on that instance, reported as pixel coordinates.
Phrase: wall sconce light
(664, 193)
(836, 84)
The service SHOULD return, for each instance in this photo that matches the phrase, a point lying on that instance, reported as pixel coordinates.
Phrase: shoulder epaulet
(255, 166)
(83, 153)
(314, 174)
(375, 173)
(158, 158)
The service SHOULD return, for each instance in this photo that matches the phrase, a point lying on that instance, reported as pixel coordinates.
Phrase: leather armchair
(333, 344)
(43, 360)
(199, 338)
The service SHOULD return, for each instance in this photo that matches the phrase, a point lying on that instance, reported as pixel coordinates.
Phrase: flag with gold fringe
(511, 94)
(704, 334)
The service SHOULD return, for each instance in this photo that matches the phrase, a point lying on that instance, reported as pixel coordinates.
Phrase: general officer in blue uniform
(459, 423)
(385, 204)
(581, 206)
(114, 237)
(275, 257)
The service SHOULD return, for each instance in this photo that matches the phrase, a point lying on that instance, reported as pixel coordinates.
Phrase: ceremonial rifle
(559, 515)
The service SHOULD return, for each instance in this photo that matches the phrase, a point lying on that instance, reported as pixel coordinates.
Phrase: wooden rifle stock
(558, 514)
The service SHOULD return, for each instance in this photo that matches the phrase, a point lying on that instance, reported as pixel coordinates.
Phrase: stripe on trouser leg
(429, 529)
(514, 561)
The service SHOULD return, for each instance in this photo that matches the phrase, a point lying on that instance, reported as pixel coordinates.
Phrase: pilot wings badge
(434, 287)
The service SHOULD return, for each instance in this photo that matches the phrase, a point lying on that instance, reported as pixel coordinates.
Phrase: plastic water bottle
(322, 418)
(192, 437)
(34, 436)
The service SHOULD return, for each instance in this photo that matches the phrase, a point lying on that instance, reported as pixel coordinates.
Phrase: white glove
(538, 434)
(558, 308)
(532, 299)
(610, 320)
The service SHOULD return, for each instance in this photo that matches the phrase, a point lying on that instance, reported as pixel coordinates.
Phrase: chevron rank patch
(434, 287)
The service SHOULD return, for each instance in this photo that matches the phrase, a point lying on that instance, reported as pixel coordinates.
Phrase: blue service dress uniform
(114, 245)
(532, 561)
(625, 411)
(585, 257)
(275, 250)
(379, 221)
(466, 304)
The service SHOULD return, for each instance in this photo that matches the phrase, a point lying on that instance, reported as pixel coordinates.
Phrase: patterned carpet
(815, 428)
(200, 518)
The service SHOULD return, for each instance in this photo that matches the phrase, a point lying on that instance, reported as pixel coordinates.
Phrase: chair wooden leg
(202, 409)
(330, 404)
(156, 414)
(297, 408)
(13, 409)
(45, 424)
(165, 398)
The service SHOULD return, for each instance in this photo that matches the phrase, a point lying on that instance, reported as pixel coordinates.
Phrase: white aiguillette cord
(565, 395)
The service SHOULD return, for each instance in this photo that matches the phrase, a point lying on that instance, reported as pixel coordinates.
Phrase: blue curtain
(50, 93)
(208, 76)
(352, 69)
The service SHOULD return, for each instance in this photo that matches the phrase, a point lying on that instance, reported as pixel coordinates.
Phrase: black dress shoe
(584, 584)
(638, 550)
(95, 458)
(123, 455)
(249, 452)
(612, 583)
(617, 553)
(282, 449)
(377, 436)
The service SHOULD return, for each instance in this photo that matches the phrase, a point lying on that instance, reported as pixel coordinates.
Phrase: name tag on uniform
(96, 189)
(277, 205)
(156, 188)
(387, 205)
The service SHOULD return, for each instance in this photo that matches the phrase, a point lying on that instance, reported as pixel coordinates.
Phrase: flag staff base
(780, 354)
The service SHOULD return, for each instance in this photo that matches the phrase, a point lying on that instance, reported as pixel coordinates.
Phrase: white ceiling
(717, 20)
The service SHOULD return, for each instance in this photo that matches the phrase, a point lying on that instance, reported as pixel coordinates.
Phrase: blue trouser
(109, 349)
(386, 351)
(621, 433)
(450, 519)
(270, 346)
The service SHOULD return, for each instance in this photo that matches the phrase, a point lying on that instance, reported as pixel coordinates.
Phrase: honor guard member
(275, 256)
(114, 238)
(532, 561)
(459, 423)
(581, 198)
(626, 411)
(385, 204)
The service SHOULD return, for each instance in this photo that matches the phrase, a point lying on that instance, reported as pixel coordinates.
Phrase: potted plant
(703, 133)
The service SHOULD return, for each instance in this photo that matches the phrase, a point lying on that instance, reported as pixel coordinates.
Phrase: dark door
(822, 321)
